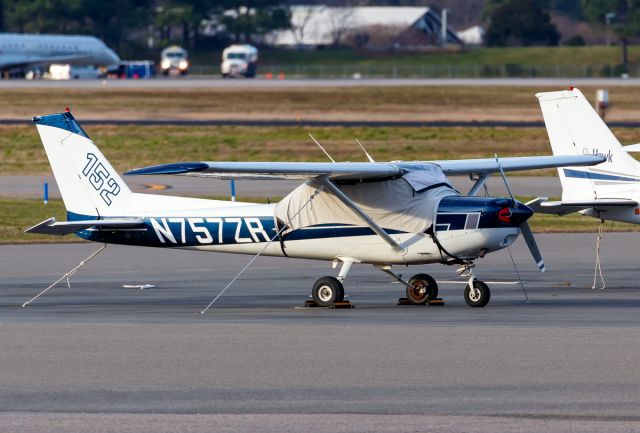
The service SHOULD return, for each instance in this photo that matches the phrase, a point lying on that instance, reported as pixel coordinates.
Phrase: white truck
(239, 60)
(174, 61)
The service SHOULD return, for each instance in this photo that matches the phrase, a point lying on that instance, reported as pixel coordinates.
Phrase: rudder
(574, 128)
(89, 185)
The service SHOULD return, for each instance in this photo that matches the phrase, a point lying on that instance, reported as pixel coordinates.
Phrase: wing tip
(174, 168)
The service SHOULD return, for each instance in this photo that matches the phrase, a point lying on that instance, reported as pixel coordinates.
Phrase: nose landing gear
(477, 293)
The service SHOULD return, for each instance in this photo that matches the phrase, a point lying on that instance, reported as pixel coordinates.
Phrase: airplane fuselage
(466, 227)
(19, 50)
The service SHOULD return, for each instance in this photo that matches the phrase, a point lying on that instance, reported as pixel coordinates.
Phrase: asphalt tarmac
(32, 186)
(208, 82)
(101, 357)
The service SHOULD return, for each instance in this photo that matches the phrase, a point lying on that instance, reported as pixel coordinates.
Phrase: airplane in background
(379, 213)
(22, 51)
(607, 191)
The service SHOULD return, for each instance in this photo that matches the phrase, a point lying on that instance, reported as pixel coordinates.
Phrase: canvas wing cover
(406, 204)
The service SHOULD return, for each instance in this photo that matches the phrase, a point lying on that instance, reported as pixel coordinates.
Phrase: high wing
(359, 170)
(275, 170)
(51, 227)
(489, 165)
(542, 205)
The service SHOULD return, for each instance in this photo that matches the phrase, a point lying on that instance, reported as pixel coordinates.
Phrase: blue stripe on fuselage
(186, 231)
(198, 231)
(578, 174)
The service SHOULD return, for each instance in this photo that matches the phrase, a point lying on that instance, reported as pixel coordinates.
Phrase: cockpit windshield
(239, 56)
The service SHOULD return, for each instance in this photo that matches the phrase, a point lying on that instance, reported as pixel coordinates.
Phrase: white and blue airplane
(609, 190)
(379, 213)
(19, 50)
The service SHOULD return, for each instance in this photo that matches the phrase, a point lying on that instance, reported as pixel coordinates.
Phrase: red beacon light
(504, 215)
(570, 87)
(66, 110)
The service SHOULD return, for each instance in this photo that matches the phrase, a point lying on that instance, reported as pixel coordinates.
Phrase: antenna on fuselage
(365, 151)
(321, 148)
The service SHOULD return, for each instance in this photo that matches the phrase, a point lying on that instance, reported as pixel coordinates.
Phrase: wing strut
(360, 213)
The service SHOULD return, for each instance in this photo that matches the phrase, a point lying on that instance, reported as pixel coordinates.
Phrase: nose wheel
(477, 295)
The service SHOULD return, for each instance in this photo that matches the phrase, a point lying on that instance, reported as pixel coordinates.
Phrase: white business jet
(20, 51)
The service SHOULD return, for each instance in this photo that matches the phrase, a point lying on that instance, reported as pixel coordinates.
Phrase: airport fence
(435, 71)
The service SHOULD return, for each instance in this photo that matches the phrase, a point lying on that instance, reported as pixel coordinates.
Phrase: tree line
(136, 25)
(126, 22)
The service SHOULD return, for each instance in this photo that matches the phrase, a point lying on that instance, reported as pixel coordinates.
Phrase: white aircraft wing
(564, 207)
(489, 165)
(358, 170)
(51, 227)
(275, 170)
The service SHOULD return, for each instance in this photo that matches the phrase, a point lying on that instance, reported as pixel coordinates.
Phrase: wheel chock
(432, 302)
(342, 304)
(338, 305)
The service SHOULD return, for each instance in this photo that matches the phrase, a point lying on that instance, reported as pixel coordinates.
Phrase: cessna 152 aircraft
(385, 214)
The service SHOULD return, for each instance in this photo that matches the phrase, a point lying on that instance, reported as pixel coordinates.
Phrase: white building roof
(317, 25)
(472, 36)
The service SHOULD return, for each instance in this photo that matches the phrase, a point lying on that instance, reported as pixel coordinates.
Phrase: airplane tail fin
(89, 185)
(575, 128)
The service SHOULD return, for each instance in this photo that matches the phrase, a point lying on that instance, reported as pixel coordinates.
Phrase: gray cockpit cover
(407, 204)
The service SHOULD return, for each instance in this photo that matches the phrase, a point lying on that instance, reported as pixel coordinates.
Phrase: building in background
(370, 27)
(472, 36)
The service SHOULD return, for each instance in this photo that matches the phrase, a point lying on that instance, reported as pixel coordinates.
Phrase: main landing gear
(327, 291)
(421, 289)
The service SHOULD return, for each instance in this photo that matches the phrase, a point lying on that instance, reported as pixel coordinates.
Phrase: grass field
(129, 147)
(421, 103)
(19, 214)
(588, 55)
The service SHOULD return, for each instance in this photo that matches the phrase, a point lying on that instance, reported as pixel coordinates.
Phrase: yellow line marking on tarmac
(156, 186)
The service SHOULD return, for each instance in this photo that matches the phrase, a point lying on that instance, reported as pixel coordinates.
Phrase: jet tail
(574, 128)
(90, 187)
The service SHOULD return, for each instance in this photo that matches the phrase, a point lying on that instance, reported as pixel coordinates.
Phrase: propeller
(525, 228)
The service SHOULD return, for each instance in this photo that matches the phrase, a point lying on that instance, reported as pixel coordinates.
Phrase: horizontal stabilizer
(360, 170)
(632, 148)
(51, 227)
(541, 205)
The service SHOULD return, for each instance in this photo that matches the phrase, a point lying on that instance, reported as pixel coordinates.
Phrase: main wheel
(424, 288)
(479, 296)
(326, 291)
